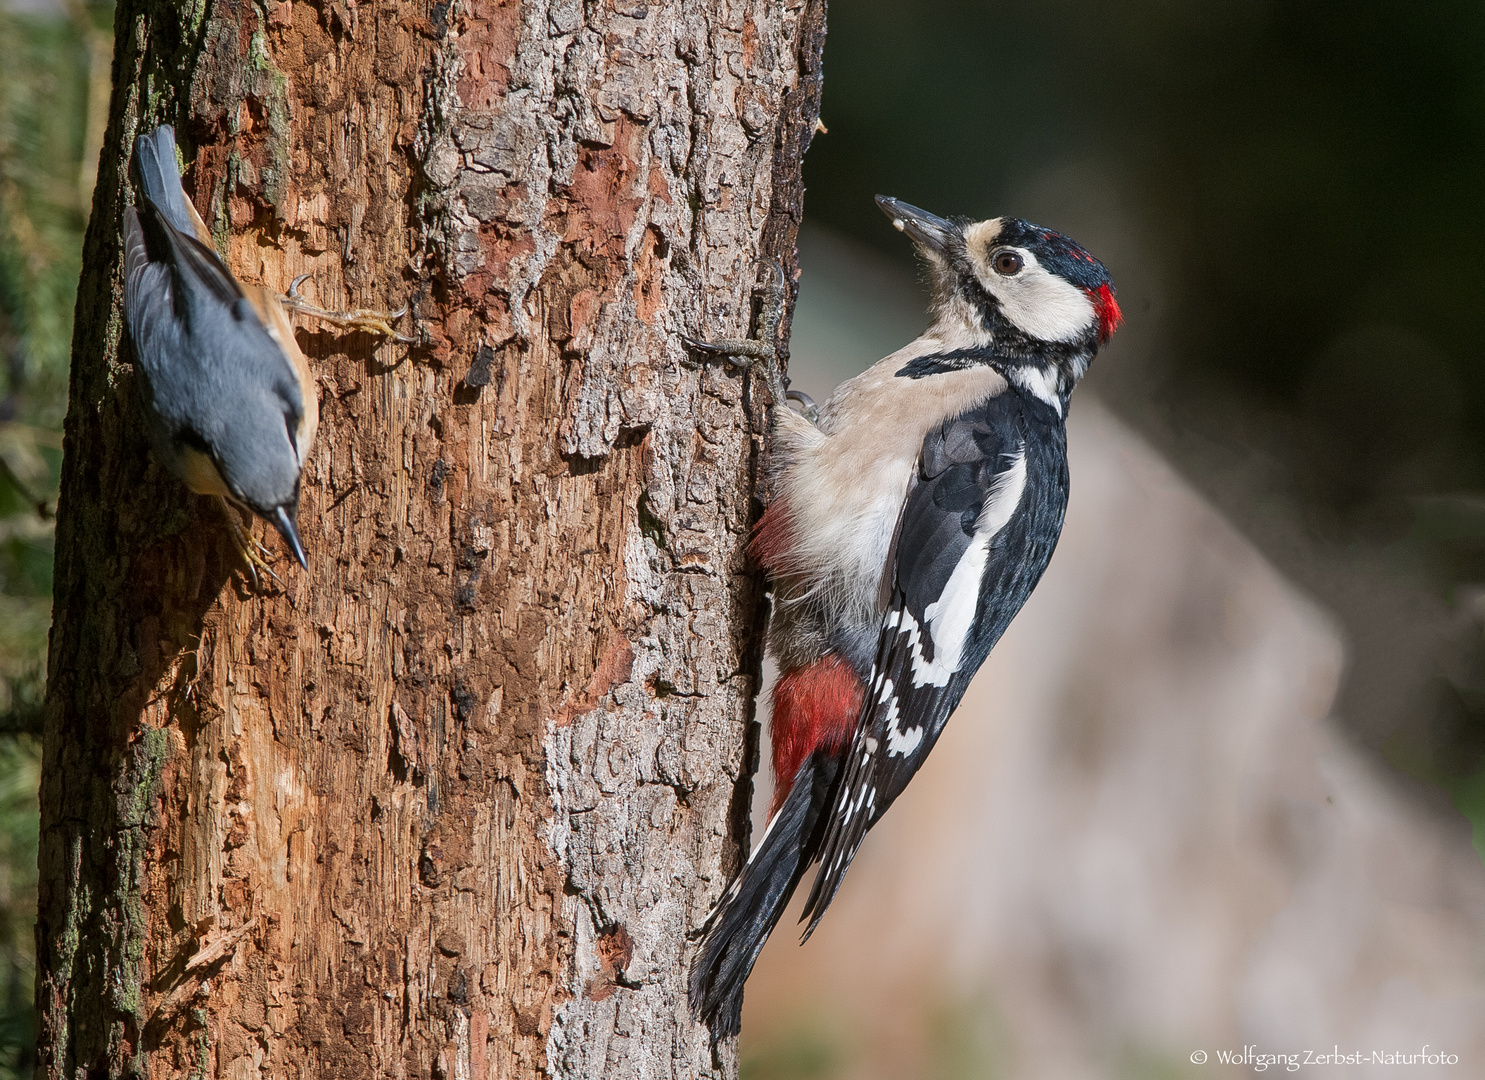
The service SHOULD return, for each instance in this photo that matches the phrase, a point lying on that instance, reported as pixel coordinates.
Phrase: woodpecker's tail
(160, 178)
(757, 897)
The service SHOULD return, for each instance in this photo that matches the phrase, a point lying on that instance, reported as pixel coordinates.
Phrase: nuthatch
(908, 527)
(231, 403)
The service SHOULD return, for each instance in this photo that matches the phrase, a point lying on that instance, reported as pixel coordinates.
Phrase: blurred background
(54, 85)
(1217, 785)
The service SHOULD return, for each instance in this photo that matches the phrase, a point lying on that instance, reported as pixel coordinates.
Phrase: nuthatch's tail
(757, 898)
(160, 177)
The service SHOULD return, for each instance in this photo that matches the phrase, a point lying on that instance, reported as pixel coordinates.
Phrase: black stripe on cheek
(942, 363)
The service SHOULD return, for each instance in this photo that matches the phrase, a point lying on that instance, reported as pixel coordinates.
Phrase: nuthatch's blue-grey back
(231, 401)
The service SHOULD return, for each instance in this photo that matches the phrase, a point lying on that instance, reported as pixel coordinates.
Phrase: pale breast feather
(845, 481)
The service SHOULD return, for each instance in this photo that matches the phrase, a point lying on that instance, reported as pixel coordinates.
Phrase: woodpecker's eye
(1007, 263)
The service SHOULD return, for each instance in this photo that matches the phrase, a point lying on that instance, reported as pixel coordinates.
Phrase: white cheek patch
(1040, 303)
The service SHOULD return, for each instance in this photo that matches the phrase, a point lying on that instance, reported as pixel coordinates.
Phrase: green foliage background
(49, 116)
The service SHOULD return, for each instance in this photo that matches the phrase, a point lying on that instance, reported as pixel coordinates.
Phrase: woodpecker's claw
(807, 407)
(248, 547)
(377, 322)
(761, 351)
(739, 352)
(746, 353)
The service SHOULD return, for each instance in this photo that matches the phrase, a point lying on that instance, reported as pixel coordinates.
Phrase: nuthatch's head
(254, 435)
(1019, 289)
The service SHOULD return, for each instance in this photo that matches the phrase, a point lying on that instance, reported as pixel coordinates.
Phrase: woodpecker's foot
(807, 407)
(376, 322)
(761, 351)
(745, 353)
(252, 552)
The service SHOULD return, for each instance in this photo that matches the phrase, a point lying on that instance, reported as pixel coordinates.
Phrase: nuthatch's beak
(285, 525)
(929, 230)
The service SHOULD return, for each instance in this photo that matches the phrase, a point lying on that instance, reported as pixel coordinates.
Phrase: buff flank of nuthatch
(231, 402)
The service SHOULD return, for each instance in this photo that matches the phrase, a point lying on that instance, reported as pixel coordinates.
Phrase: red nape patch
(1107, 310)
(773, 536)
(814, 707)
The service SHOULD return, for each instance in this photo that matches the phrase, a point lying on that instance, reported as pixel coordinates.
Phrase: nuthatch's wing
(156, 155)
(276, 321)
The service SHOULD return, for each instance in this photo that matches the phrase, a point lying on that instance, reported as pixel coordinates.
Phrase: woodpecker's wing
(978, 525)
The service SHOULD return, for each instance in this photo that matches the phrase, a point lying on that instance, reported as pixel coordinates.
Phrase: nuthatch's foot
(376, 322)
(762, 351)
(253, 553)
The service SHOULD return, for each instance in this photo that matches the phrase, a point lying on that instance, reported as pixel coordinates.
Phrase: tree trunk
(450, 802)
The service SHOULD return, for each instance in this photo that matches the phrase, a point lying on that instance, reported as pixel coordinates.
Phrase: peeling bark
(450, 803)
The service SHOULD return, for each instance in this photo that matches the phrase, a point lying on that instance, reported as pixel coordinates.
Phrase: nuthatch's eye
(1007, 263)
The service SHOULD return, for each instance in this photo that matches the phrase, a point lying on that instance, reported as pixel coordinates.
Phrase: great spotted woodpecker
(908, 528)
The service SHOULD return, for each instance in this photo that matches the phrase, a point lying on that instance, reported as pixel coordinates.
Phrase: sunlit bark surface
(449, 802)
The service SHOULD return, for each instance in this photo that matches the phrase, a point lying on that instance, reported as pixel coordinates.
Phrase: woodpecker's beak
(928, 230)
(285, 525)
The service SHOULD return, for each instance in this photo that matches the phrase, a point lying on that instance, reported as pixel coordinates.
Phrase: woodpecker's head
(1029, 295)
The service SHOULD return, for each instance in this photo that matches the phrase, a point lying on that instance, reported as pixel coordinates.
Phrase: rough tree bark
(450, 802)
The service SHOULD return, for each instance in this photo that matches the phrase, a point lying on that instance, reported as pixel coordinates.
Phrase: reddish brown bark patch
(613, 668)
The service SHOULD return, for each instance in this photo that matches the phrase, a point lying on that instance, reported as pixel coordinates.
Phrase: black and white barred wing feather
(967, 556)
